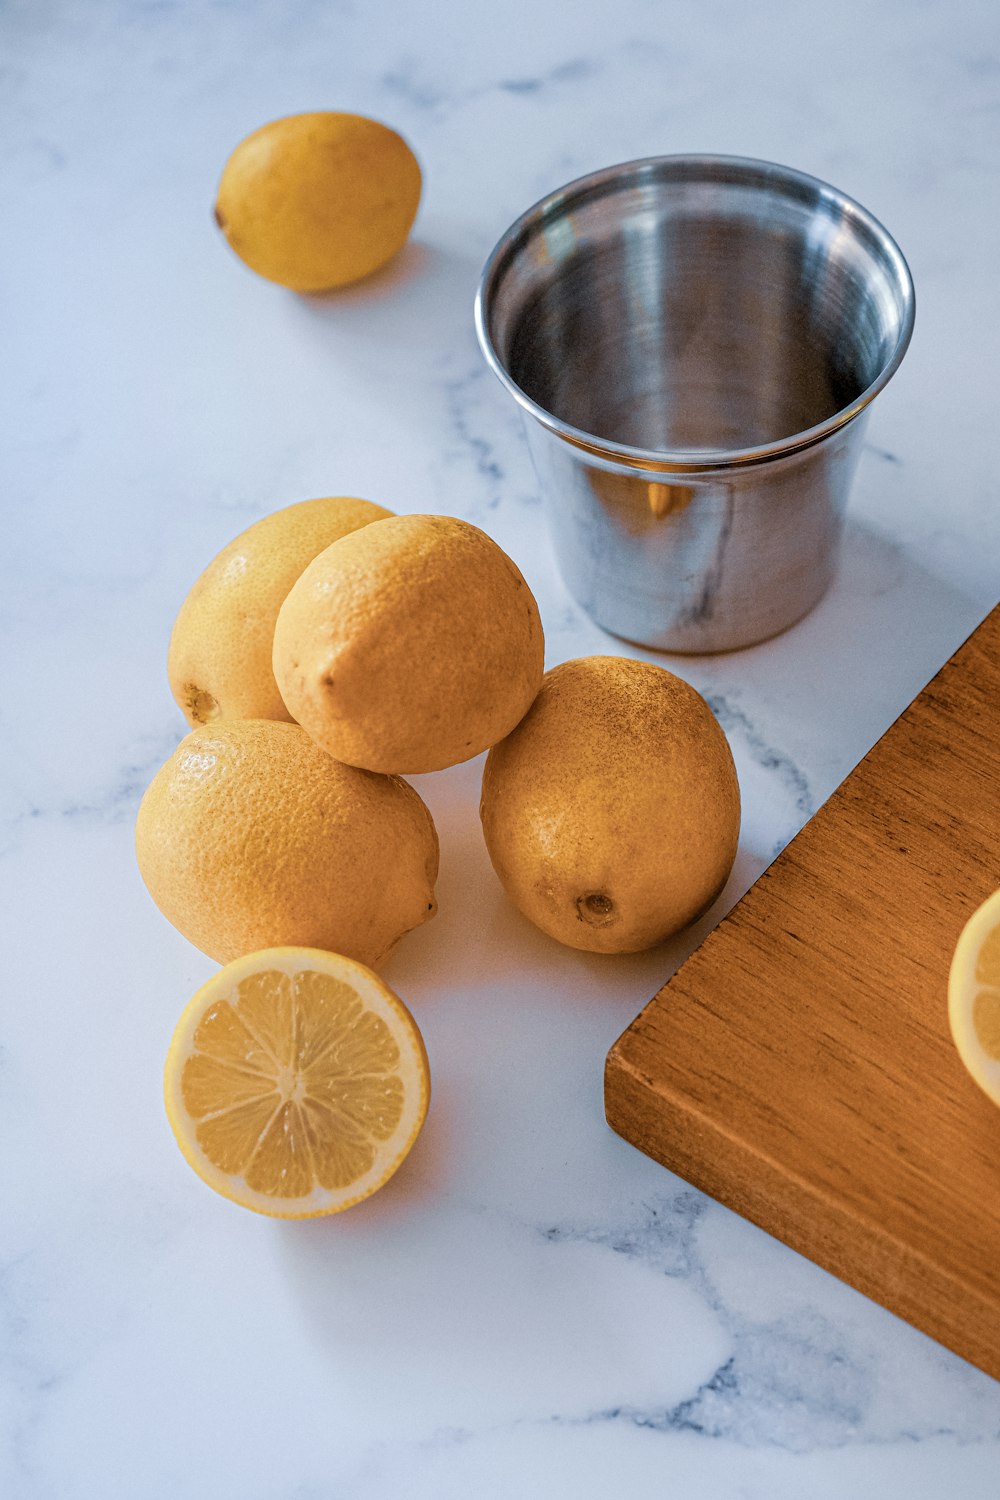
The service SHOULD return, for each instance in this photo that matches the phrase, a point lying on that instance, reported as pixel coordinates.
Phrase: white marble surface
(531, 1308)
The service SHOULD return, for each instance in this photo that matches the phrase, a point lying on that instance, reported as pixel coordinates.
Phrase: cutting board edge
(698, 1149)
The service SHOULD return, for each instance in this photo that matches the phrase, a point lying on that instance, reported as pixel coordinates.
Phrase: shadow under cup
(695, 342)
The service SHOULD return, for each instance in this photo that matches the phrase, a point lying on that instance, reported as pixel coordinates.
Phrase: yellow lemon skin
(612, 812)
(409, 646)
(317, 201)
(219, 661)
(251, 837)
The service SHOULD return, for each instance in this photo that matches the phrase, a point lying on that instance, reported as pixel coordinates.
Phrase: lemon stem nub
(201, 706)
(597, 909)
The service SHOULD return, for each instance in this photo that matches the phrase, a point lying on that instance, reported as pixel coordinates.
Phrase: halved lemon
(296, 1082)
(974, 996)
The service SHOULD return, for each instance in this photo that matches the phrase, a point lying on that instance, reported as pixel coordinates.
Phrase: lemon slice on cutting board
(296, 1082)
(974, 996)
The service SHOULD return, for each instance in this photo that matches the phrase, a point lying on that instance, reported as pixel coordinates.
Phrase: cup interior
(696, 304)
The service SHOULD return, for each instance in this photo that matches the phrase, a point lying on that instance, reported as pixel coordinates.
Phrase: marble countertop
(531, 1308)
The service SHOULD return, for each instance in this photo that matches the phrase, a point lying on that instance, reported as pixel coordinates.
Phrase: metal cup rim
(690, 460)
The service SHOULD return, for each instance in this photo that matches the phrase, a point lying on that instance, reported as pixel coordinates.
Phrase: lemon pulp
(296, 1082)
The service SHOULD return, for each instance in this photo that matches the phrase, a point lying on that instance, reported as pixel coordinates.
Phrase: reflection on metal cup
(695, 342)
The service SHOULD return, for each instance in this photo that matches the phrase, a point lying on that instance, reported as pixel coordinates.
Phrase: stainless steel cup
(695, 342)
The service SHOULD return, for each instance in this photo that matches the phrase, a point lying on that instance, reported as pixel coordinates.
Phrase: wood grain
(799, 1066)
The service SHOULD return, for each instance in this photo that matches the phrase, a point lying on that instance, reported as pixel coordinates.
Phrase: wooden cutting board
(799, 1066)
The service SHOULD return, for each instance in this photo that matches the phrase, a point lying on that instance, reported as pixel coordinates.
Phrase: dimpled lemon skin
(316, 201)
(409, 646)
(252, 837)
(612, 812)
(219, 662)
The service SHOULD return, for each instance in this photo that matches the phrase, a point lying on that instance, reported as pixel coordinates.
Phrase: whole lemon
(409, 646)
(612, 812)
(219, 661)
(252, 837)
(318, 200)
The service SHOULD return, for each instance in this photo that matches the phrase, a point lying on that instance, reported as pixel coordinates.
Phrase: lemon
(974, 996)
(296, 1082)
(219, 661)
(315, 201)
(612, 812)
(250, 837)
(409, 645)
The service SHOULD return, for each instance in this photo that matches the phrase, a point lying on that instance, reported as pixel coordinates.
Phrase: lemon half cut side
(974, 996)
(296, 1082)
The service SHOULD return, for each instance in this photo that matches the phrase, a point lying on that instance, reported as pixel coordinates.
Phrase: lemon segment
(974, 996)
(296, 1082)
